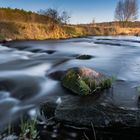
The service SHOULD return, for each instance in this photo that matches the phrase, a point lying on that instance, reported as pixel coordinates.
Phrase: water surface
(25, 66)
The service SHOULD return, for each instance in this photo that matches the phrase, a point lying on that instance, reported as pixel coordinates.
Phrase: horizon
(99, 10)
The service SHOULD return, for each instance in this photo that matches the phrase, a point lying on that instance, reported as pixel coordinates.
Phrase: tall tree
(119, 11)
(126, 10)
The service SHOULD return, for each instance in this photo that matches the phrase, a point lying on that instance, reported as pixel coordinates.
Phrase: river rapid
(25, 67)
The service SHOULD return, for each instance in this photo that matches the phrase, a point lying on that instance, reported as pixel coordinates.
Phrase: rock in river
(101, 112)
(85, 81)
(84, 57)
(98, 110)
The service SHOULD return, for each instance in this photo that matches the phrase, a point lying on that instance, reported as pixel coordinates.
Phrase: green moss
(84, 85)
(2, 37)
(71, 80)
(106, 83)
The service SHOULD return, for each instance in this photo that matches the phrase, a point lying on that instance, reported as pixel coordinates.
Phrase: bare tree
(126, 10)
(119, 11)
(65, 17)
(52, 13)
(93, 22)
(55, 15)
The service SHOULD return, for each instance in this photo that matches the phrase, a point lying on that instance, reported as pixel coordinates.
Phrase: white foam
(38, 70)
(59, 100)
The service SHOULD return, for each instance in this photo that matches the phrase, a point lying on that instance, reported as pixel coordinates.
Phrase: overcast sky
(81, 11)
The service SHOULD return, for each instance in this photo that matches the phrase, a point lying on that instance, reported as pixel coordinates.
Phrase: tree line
(43, 16)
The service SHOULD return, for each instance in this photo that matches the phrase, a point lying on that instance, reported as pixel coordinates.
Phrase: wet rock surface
(97, 110)
(92, 117)
(76, 111)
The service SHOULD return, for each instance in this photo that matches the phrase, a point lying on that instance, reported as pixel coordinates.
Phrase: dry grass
(22, 30)
(129, 31)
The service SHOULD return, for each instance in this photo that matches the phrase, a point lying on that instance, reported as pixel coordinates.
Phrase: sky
(81, 11)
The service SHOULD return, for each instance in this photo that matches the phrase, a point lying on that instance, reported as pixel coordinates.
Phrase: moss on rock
(85, 81)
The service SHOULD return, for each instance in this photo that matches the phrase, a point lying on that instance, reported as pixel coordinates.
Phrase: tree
(65, 17)
(119, 11)
(52, 13)
(56, 16)
(126, 10)
(93, 22)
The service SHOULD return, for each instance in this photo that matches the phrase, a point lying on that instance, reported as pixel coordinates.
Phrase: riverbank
(36, 31)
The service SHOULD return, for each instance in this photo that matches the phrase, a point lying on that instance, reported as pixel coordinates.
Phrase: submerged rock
(99, 112)
(84, 57)
(57, 75)
(49, 51)
(85, 81)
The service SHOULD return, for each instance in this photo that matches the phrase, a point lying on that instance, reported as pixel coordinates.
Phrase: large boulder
(85, 81)
(101, 111)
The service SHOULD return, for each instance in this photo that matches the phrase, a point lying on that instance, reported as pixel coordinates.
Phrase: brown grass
(22, 30)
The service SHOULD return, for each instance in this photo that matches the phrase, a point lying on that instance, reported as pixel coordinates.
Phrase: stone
(85, 81)
(99, 112)
(84, 57)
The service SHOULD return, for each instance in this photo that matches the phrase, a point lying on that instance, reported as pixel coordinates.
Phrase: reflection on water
(25, 66)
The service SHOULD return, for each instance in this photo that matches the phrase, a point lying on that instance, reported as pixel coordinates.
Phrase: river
(25, 67)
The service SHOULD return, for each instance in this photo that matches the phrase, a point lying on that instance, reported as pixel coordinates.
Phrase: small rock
(84, 57)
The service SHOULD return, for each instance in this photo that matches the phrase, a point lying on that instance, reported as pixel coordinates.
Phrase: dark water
(25, 66)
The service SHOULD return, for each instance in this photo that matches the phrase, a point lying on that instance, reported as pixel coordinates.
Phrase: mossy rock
(85, 81)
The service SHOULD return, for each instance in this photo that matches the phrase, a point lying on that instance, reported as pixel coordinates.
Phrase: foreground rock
(85, 81)
(97, 110)
(84, 112)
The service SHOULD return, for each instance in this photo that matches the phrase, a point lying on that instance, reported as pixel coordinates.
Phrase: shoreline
(57, 39)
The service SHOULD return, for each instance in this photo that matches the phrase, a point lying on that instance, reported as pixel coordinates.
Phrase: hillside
(19, 24)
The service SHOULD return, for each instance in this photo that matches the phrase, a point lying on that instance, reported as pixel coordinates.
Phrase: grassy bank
(30, 25)
(23, 30)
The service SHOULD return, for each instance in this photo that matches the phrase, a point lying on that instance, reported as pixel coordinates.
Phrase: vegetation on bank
(19, 24)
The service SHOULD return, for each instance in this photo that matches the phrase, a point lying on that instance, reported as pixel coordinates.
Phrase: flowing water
(25, 66)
